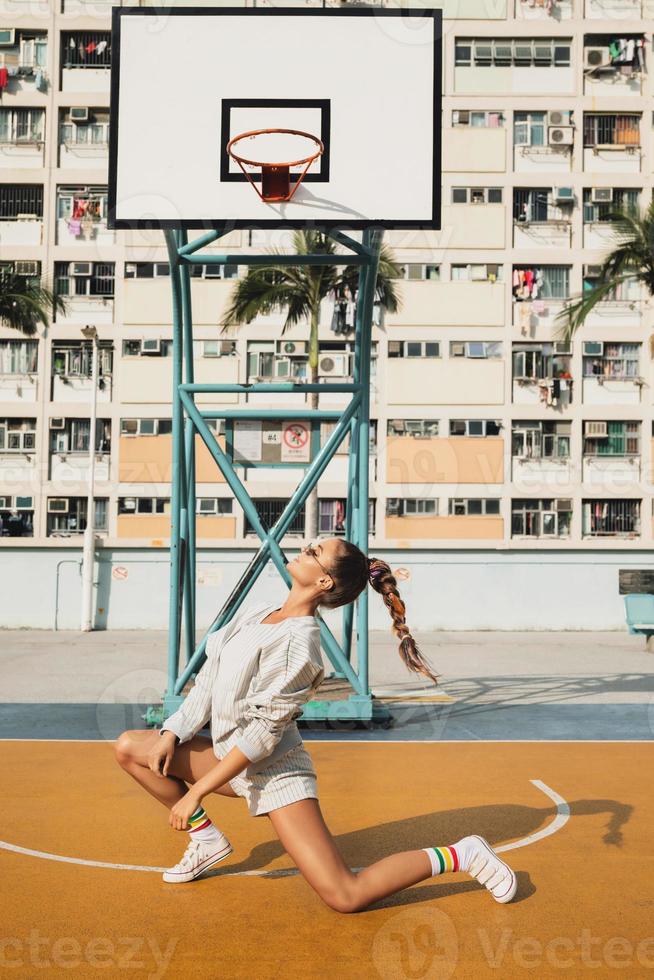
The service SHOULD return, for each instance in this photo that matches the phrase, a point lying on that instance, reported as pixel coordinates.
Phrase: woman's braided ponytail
(383, 581)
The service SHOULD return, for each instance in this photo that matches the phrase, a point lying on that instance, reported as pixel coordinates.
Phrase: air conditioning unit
(151, 346)
(208, 350)
(334, 365)
(393, 506)
(394, 346)
(461, 117)
(593, 348)
(596, 57)
(80, 268)
(558, 117)
(564, 195)
(560, 135)
(563, 504)
(79, 113)
(592, 271)
(58, 505)
(292, 347)
(58, 423)
(458, 349)
(478, 273)
(129, 503)
(596, 429)
(601, 195)
(27, 268)
(226, 346)
(7, 37)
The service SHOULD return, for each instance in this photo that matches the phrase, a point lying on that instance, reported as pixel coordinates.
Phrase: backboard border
(117, 13)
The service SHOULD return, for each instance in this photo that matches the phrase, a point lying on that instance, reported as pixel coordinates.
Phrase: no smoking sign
(296, 446)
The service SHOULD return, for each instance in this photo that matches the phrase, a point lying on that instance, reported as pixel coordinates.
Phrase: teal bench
(639, 607)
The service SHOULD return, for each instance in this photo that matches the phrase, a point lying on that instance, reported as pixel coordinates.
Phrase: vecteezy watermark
(43, 952)
(416, 943)
(508, 950)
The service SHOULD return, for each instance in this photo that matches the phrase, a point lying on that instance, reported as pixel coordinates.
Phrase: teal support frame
(190, 422)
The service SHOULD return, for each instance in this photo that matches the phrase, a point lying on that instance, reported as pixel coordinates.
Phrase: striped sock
(443, 859)
(201, 827)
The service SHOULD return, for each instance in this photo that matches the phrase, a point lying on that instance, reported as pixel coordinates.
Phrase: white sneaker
(488, 869)
(198, 857)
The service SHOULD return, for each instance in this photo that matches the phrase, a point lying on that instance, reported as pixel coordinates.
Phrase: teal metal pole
(174, 616)
(189, 462)
(372, 238)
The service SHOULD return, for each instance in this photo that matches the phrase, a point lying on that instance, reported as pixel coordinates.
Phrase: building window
(534, 362)
(611, 438)
(214, 348)
(512, 52)
(541, 518)
(143, 505)
(86, 49)
(610, 360)
(540, 440)
(146, 427)
(146, 270)
(476, 195)
(476, 272)
(420, 428)
(75, 360)
(270, 510)
(419, 271)
(17, 435)
(91, 131)
(16, 516)
(613, 518)
(148, 347)
(19, 357)
(210, 506)
(475, 427)
(469, 506)
(476, 348)
(541, 282)
(19, 201)
(72, 435)
(601, 202)
(411, 507)
(478, 118)
(67, 515)
(611, 129)
(414, 348)
(331, 518)
(21, 125)
(84, 279)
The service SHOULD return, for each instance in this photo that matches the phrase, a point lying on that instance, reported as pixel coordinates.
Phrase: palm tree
(632, 259)
(299, 290)
(26, 301)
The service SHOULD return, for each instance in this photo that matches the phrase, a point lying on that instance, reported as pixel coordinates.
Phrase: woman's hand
(180, 813)
(161, 755)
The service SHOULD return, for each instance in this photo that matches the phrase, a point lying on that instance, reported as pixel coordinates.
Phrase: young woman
(260, 670)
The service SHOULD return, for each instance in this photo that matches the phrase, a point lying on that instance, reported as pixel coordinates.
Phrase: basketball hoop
(276, 182)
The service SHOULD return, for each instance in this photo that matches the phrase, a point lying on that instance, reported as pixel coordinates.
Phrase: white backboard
(366, 81)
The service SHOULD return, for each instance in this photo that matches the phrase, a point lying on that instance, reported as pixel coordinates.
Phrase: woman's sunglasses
(310, 550)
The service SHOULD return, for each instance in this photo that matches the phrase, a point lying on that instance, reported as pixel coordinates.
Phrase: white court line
(561, 818)
(406, 741)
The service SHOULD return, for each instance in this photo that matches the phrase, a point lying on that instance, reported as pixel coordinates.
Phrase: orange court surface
(83, 848)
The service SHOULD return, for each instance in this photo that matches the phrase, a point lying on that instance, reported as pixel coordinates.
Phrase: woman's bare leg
(191, 761)
(306, 838)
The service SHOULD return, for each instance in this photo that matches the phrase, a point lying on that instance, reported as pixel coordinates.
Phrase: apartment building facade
(488, 433)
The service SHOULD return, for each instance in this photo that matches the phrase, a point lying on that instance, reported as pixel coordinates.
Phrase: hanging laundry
(39, 81)
(71, 43)
(12, 70)
(101, 46)
(82, 52)
(4, 78)
(90, 47)
(74, 226)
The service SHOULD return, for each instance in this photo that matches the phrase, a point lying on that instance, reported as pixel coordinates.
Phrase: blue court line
(455, 722)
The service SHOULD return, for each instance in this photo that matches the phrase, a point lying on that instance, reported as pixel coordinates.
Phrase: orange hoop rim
(260, 132)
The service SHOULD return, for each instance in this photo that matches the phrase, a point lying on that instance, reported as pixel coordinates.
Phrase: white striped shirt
(253, 684)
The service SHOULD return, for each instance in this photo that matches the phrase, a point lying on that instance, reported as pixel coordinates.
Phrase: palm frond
(573, 314)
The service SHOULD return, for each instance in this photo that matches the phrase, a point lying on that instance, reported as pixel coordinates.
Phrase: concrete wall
(452, 590)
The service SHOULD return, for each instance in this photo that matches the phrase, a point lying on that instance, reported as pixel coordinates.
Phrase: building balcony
(73, 467)
(548, 392)
(611, 474)
(84, 309)
(537, 315)
(616, 9)
(19, 388)
(612, 391)
(551, 11)
(17, 466)
(21, 231)
(22, 154)
(542, 234)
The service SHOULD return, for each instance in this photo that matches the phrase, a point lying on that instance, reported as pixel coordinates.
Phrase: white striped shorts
(291, 778)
